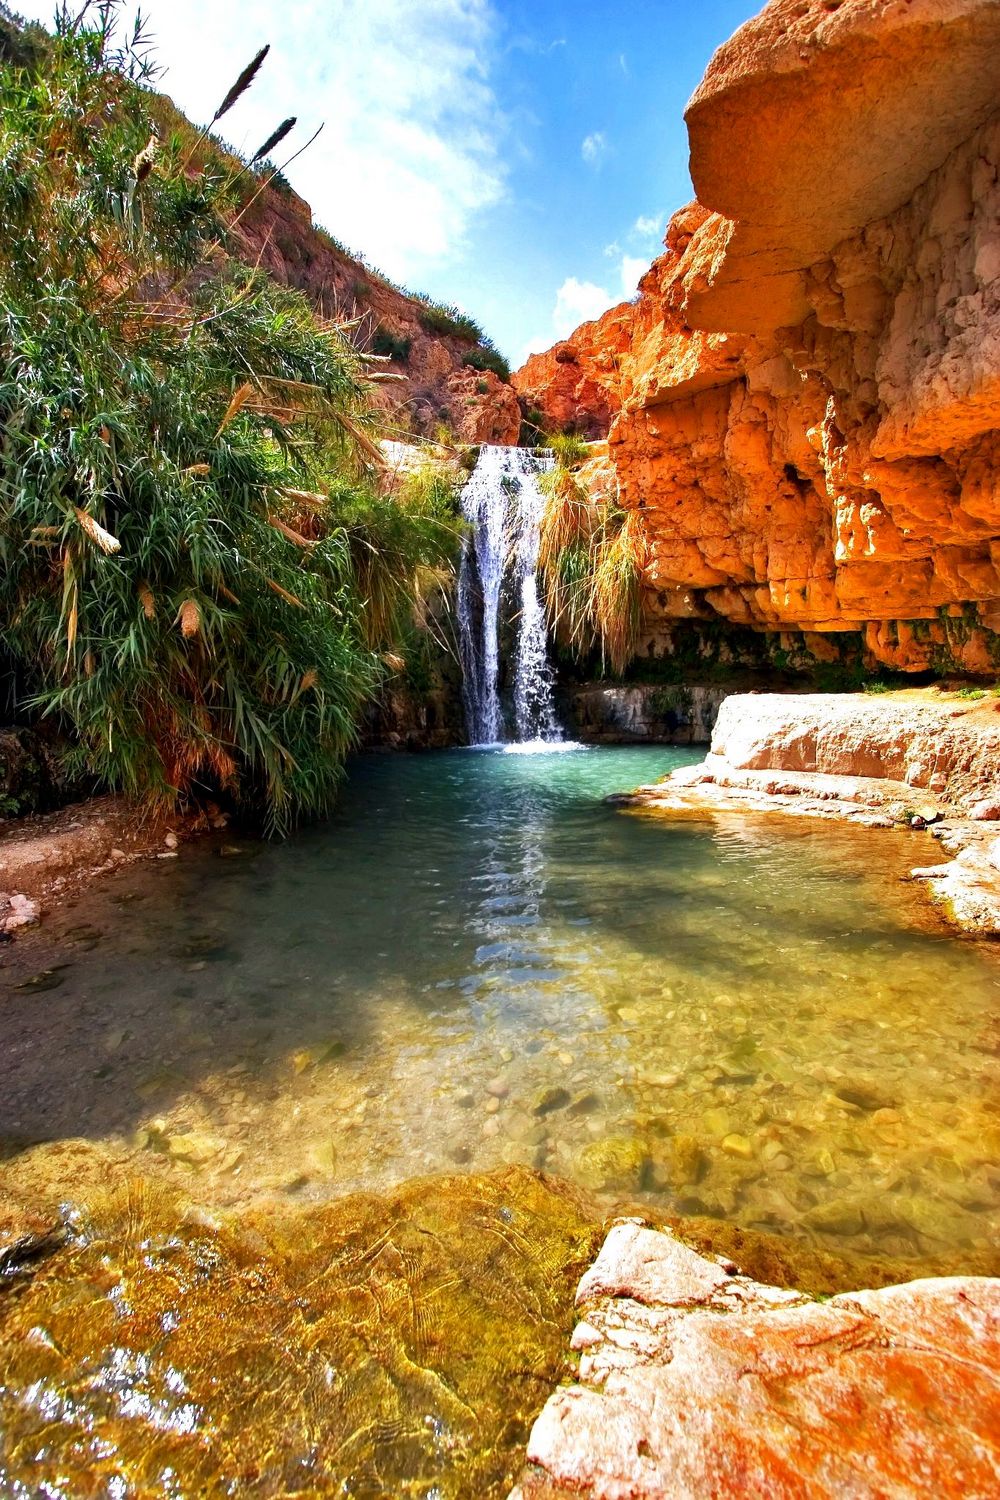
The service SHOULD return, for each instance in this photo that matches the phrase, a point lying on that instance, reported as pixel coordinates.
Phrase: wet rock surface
(925, 763)
(696, 1381)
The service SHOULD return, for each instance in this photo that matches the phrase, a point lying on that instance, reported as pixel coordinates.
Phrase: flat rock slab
(696, 1382)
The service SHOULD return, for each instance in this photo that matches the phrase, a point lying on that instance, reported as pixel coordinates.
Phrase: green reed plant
(183, 452)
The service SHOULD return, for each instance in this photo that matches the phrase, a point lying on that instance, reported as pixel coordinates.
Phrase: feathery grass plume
(96, 532)
(148, 601)
(189, 617)
(236, 405)
(290, 533)
(145, 161)
(616, 589)
(592, 557)
(274, 139)
(242, 83)
(569, 516)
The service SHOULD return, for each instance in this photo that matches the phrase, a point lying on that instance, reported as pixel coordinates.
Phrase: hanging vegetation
(592, 557)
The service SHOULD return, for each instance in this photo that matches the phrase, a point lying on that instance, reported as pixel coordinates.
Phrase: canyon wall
(806, 394)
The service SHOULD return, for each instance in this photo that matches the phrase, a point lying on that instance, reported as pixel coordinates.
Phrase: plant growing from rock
(591, 558)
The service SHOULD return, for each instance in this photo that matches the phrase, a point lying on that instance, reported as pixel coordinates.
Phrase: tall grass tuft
(592, 559)
(198, 576)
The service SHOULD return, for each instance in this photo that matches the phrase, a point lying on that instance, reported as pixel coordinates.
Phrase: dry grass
(592, 558)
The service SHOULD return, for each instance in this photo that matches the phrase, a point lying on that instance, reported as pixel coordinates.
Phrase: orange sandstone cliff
(806, 394)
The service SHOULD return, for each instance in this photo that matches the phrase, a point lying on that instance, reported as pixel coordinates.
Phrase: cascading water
(497, 585)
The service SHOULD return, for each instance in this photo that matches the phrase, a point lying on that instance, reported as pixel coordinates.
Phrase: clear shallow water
(476, 963)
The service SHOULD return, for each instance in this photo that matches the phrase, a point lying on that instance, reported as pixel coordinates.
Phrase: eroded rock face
(696, 1381)
(810, 399)
(576, 385)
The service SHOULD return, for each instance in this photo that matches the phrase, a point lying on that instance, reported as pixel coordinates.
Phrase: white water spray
(498, 582)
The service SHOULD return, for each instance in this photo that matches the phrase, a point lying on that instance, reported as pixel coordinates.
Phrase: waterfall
(498, 596)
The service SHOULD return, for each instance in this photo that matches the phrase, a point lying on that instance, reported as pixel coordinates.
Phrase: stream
(293, 1100)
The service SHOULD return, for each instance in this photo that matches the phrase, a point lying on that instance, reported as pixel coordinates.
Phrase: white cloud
(581, 301)
(647, 224)
(594, 148)
(613, 250)
(577, 302)
(633, 266)
(411, 152)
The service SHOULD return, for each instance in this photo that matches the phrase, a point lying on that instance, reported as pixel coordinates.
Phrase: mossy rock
(616, 1164)
(375, 1346)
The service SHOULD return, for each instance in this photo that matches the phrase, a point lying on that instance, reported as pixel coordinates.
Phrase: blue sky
(518, 158)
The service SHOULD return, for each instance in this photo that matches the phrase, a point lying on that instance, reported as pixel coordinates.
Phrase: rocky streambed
(238, 1084)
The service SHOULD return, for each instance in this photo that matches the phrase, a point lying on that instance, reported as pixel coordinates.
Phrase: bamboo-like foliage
(592, 558)
(182, 471)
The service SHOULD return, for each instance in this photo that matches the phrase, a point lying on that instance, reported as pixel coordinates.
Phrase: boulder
(696, 1381)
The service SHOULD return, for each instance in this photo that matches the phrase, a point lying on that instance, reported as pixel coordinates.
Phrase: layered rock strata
(696, 1381)
(809, 394)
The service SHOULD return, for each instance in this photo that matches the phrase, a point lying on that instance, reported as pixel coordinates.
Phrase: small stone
(618, 1162)
(171, 841)
(491, 1127)
(466, 1100)
(688, 1161)
(118, 854)
(48, 979)
(628, 1014)
(461, 1154)
(566, 1059)
(716, 1122)
(498, 1087)
(195, 1147)
(863, 1096)
(492, 1105)
(20, 911)
(738, 1145)
(587, 1104)
(324, 1157)
(838, 1217)
(551, 1099)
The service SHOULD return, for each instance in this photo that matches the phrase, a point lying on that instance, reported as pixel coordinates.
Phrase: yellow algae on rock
(375, 1346)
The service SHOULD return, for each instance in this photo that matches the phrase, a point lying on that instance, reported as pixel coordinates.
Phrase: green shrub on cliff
(179, 583)
(450, 322)
(485, 357)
